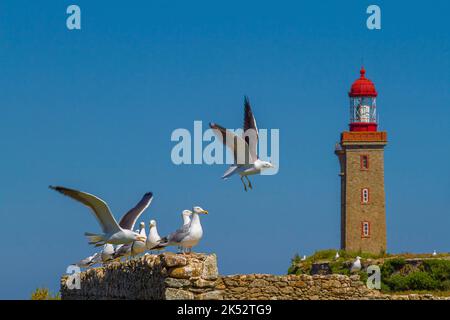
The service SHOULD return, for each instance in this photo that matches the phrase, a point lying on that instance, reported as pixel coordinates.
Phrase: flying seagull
(186, 237)
(129, 219)
(112, 232)
(244, 148)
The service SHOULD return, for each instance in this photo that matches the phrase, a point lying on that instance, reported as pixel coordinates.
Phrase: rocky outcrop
(195, 276)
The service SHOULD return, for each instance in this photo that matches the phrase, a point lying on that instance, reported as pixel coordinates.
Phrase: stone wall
(174, 276)
(151, 277)
(298, 287)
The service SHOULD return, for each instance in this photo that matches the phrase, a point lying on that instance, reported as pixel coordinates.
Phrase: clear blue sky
(94, 109)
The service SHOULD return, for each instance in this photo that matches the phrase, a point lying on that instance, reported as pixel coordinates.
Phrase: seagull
(303, 258)
(153, 238)
(246, 161)
(186, 237)
(356, 266)
(89, 261)
(336, 256)
(138, 247)
(107, 253)
(113, 233)
(122, 251)
(434, 253)
(186, 215)
(132, 249)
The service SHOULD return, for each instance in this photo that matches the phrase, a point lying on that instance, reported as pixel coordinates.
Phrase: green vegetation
(428, 274)
(431, 274)
(44, 294)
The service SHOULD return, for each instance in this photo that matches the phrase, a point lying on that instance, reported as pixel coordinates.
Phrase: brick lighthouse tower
(361, 158)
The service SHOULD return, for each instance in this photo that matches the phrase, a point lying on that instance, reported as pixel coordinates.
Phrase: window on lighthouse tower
(365, 232)
(365, 195)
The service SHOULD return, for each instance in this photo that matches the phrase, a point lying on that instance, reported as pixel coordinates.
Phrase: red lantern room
(363, 111)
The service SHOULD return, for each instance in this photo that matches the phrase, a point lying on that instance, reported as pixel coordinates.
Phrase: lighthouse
(361, 158)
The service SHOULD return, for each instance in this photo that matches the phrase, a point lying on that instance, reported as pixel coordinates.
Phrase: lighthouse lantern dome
(363, 115)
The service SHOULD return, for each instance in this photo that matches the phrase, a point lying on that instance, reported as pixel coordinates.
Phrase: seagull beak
(140, 238)
(205, 211)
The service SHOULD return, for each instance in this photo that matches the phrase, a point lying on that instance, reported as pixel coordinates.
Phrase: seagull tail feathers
(94, 238)
(162, 243)
(230, 171)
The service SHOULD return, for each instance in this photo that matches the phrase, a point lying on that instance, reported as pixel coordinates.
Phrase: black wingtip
(148, 194)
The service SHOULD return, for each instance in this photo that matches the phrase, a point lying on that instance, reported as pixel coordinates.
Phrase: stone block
(171, 259)
(176, 283)
(178, 294)
(211, 295)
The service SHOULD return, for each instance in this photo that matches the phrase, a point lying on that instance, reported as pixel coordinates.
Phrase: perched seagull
(434, 253)
(112, 232)
(356, 266)
(244, 148)
(153, 238)
(303, 258)
(336, 256)
(122, 251)
(186, 215)
(186, 237)
(138, 247)
(107, 253)
(89, 261)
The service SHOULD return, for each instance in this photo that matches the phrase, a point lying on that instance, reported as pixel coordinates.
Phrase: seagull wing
(250, 129)
(129, 219)
(97, 205)
(235, 143)
(179, 235)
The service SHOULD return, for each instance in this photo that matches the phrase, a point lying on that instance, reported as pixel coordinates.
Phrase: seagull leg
(245, 186)
(249, 183)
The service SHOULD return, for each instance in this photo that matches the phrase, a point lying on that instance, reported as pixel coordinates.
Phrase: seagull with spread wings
(113, 232)
(244, 148)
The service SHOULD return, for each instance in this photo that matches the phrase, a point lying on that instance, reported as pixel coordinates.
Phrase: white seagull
(186, 215)
(356, 266)
(434, 253)
(153, 238)
(89, 261)
(138, 247)
(186, 237)
(107, 253)
(112, 232)
(134, 248)
(303, 258)
(244, 147)
(336, 256)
